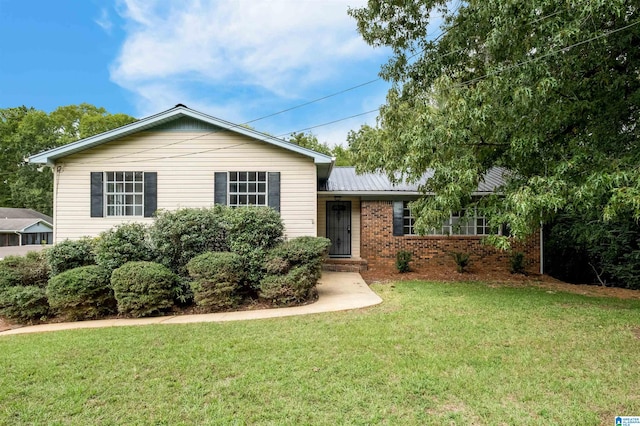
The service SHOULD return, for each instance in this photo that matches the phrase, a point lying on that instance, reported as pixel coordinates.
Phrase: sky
(238, 60)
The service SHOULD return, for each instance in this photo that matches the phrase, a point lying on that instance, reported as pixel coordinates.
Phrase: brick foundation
(379, 246)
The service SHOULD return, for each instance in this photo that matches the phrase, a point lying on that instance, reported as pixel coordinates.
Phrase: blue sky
(234, 59)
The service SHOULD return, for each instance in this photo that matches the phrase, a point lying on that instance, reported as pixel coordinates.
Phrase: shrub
(295, 287)
(29, 270)
(124, 243)
(462, 260)
(70, 254)
(81, 293)
(403, 258)
(217, 278)
(179, 236)
(24, 303)
(251, 232)
(143, 288)
(516, 263)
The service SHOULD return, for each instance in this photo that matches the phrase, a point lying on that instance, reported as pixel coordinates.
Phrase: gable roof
(18, 213)
(323, 162)
(344, 180)
(19, 225)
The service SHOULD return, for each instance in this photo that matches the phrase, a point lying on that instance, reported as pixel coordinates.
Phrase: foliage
(179, 236)
(143, 288)
(216, 279)
(23, 303)
(545, 89)
(124, 243)
(251, 233)
(309, 140)
(293, 269)
(70, 254)
(403, 257)
(462, 260)
(81, 293)
(27, 131)
(517, 263)
(294, 287)
(29, 270)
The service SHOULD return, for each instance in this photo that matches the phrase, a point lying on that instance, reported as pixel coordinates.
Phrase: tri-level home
(183, 158)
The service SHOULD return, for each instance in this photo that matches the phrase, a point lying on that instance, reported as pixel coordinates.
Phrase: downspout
(541, 249)
(19, 238)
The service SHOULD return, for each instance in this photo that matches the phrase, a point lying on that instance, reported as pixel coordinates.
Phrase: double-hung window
(248, 189)
(458, 223)
(124, 193)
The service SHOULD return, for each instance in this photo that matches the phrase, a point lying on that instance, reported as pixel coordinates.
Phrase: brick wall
(379, 246)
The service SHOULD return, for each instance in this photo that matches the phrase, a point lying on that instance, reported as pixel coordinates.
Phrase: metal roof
(323, 161)
(18, 213)
(345, 180)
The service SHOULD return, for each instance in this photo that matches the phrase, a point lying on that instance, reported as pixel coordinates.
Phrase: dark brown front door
(339, 228)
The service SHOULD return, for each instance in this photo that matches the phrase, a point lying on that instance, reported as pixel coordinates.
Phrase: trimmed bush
(81, 293)
(179, 236)
(462, 260)
(124, 243)
(143, 288)
(29, 270)
(70, 254)
(403, 258)
(217, 278)
(295, 287)
(517, 263)
(24, 303)
(293, 269)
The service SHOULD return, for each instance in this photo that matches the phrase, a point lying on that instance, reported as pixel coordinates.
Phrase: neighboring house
(22, 227)
(184, 158)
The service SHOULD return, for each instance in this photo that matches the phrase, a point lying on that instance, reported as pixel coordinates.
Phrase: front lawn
(432, 353)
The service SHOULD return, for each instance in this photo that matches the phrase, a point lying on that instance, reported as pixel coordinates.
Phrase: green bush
(143, 288)
(70, 254)
(403, 258)
(81, 293)
(293, 269)
(295, 287)
(24, 303)
(251, 232)
(124, 243)
(29, 270)
(462, 260)
(516, 263)
(179, 236)
(216, 279)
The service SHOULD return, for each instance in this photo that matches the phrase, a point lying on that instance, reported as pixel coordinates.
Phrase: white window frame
(127, 191)
(451, 226)
(246, 191)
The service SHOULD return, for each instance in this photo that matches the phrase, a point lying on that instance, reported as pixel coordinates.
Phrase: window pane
(110, 175)
(252, 176)
(242, 187)
(262, 187)
(233, 176)
(138, 187)
(138, 210)
(262, 176)
(233, 187)
(119, 176)
(242, 200)
(242, 176)
(128, 187)
(252, 200)
(233, 200)
(262, 200)
(252, 187)
(138, 176)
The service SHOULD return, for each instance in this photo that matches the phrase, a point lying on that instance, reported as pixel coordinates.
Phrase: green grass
(432, 353)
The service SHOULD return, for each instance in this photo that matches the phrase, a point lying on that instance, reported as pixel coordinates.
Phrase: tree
(548, 90)
(27, 131)
(309, 140)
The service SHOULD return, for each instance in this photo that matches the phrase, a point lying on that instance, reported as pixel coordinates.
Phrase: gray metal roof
(345, 180)
(17, 213)
(17, 225)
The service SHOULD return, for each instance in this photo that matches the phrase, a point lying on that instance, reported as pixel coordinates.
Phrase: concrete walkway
(337, 291)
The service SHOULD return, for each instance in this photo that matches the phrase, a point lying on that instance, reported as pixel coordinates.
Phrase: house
(21, 227)
(183, 158)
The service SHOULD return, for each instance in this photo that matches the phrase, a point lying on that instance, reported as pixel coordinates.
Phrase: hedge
(124, 243)
(217, 280)
(24, 303)
(70, 254)
(143, 288)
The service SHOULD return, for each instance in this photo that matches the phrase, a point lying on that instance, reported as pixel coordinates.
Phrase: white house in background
(21, 227)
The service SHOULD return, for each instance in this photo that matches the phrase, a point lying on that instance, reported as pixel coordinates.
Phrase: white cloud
(278, 48)
(104, 21)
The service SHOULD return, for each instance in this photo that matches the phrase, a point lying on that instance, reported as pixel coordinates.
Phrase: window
(457, 224)
(247, 189)
(124, 193)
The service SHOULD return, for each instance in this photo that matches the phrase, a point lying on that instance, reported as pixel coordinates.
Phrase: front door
(339, 228)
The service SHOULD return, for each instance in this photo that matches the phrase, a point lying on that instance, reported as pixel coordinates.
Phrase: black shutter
(220, 188)
(398, 211)
(150, 193)
(97, 198)
(274, 191)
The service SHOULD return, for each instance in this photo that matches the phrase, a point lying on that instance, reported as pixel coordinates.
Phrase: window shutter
(97, 198)
(150, 193)
(220, 188)
(274, 191)
(398, 210)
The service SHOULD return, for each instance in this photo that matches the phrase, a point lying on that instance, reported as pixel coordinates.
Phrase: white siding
(355, 221)
(185, 163)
